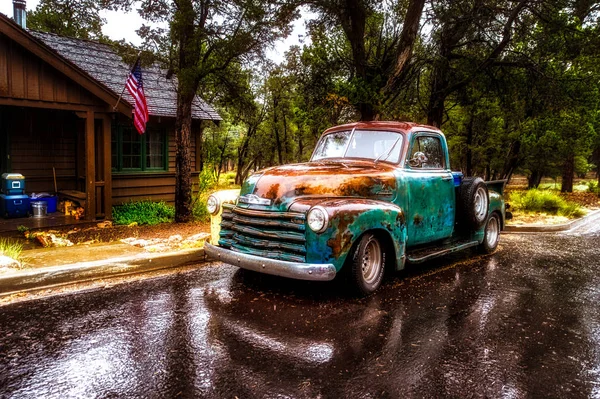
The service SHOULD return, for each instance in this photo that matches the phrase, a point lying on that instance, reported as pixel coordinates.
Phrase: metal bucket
(39, 208)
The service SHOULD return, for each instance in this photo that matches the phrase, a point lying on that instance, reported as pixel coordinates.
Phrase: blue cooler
(12, 183)
(14, 206)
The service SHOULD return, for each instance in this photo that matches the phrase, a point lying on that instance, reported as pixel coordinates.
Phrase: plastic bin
(14, 206)
(51, 201)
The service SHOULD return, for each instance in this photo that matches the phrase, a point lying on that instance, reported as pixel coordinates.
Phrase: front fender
(349, 218)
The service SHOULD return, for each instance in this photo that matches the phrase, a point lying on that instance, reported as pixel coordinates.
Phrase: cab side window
(426, 153)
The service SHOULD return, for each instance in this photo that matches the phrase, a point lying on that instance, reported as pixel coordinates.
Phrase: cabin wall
(154, 186)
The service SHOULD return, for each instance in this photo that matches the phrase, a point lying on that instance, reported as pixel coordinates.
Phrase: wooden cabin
(58, 122)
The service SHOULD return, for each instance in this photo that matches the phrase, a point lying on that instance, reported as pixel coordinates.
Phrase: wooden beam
(50, 105)
(90, 167)
(106, 136)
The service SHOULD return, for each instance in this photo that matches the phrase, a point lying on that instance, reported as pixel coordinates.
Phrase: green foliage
(22, 229)
(571, 210)
(143, 212)
(546, 201)
(79, 18)
(592, 186)
(10, 248)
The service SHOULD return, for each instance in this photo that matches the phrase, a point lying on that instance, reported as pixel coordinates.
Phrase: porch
(61, 152)
(53, 220)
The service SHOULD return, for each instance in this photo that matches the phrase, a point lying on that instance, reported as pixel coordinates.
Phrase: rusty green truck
(373, 196)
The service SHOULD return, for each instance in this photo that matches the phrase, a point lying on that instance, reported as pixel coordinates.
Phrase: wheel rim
(491, 232)
(371, 262)
(481, 203)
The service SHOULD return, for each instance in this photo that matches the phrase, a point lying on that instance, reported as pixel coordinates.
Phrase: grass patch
(544, 201)
(10, 248)
(144, 212)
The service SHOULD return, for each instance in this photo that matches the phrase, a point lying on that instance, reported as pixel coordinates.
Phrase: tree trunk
(568, 174)
(512, 160)
(186, 91)
(469, 143)
(183, 159)
(534, 180)
(276, 129)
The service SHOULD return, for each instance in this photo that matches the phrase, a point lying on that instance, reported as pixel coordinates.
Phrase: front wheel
(491, 235)
(368, 264)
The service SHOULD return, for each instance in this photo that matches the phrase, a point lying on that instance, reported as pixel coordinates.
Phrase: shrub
(592, 186)
(535, 200)
(571, 210)
(143, 212)
(10, 248)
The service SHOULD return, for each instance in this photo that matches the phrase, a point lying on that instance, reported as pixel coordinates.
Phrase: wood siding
(24, 76)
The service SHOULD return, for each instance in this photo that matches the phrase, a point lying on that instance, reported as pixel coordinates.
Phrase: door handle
(446, 178)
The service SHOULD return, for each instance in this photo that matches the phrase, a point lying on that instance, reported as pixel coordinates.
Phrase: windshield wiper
(349, 141)
(387, 154)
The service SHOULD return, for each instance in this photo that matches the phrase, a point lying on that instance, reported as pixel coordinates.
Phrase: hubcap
(491, 232)
(481, 203)
(371, 262)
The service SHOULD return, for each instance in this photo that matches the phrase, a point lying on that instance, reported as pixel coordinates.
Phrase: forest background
(514, 85)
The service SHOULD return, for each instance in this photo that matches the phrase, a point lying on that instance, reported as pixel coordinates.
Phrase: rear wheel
(368, 264)
(491, 235)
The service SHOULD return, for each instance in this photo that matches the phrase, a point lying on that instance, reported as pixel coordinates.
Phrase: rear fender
(349, 218)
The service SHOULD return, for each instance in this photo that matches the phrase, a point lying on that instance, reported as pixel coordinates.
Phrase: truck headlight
(317, 219)
(212, 205)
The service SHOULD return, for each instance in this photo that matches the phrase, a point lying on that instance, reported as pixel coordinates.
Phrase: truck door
(431, 196)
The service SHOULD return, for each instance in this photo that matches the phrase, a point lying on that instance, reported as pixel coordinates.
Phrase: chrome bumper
(301, 271)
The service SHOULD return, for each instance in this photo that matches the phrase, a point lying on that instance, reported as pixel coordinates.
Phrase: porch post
(90, 170)
(106, 139)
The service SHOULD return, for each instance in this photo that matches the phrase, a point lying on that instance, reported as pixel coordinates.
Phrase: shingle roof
(103, 64)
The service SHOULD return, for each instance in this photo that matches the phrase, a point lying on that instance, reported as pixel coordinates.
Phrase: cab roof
(384, 125)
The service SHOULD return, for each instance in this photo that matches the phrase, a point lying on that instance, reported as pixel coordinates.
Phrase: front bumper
(300, 271)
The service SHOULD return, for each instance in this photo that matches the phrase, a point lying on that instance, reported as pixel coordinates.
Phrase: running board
(425, 254)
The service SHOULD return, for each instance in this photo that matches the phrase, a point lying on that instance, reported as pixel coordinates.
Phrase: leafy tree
(73, 18)
(203, 40)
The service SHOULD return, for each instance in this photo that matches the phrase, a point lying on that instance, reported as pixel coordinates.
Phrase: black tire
(474, 202)
(491, 235)
(367, 264)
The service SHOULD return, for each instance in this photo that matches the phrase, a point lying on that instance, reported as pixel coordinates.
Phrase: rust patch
(417, 219)
(272, 193)
(342, 242)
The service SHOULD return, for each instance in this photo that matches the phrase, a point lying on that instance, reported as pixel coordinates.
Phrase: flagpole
(125, 86)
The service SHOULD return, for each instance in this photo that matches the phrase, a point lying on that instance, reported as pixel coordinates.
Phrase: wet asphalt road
(523, 322)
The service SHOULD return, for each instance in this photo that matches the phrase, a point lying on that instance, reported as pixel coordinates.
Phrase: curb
(534, 228)
(50, 277)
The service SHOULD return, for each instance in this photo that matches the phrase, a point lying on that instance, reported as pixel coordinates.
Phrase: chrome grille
(275, 235)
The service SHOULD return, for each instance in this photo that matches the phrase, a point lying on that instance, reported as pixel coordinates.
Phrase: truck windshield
(368, 144)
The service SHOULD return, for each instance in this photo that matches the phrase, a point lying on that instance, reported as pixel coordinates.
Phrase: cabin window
(139, 152)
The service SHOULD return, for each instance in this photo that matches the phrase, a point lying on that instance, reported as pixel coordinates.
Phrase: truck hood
(277, 188)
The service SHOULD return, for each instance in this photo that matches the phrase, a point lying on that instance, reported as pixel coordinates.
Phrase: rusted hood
(283, 184)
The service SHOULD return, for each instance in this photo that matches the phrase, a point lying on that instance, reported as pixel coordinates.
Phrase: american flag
(135, 86)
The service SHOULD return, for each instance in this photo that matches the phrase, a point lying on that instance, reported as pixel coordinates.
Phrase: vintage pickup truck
(373, 196)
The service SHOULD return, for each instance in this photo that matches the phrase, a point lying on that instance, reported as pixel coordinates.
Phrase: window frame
(414, 140)
(117, 130)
